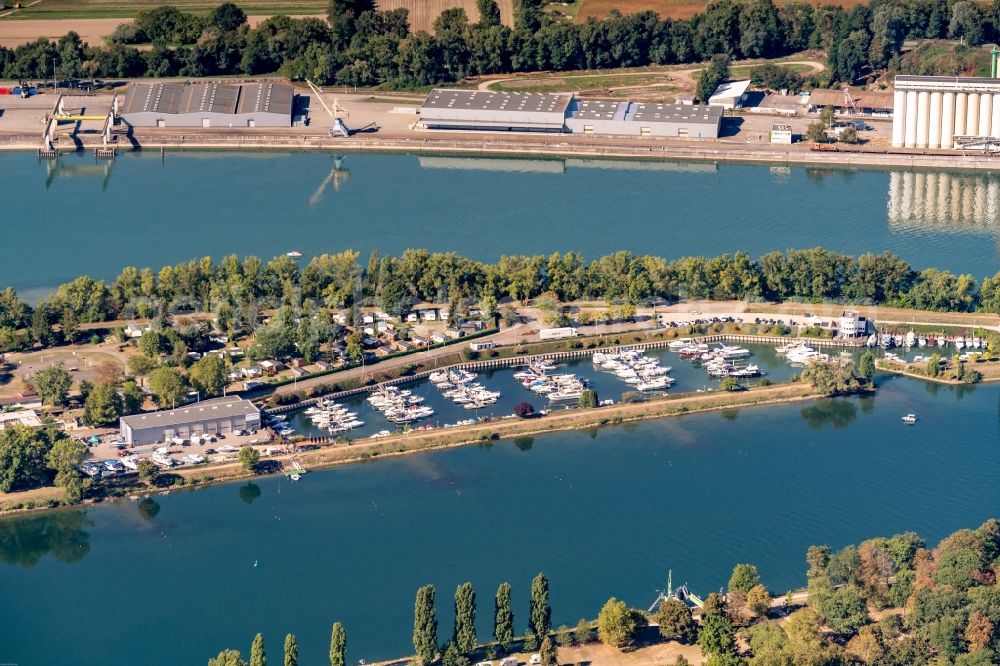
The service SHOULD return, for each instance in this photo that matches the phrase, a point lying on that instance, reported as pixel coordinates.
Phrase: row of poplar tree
(464, 641)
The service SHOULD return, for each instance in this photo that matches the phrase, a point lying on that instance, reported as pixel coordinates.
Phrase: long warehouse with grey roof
(685, 121)
(205, 417)
(481, 110)
(170, 104)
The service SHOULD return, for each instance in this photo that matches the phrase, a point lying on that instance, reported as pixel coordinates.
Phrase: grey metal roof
(587, 109)
(479, 100)
(212, 98)
(265, 97)
(173, 98)
(671, 113)
(199, 411)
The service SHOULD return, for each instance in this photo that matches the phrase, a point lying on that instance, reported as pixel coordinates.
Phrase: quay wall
(555, 147)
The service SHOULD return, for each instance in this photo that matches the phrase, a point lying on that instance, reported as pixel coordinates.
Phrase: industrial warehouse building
(206, 417)
(730, 95)
(542, 112)
(209, 105)
(684, 121)
(494, 111)
(938, 111)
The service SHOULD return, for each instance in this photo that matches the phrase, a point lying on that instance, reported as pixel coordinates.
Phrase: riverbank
(332, 455)
(531, 146)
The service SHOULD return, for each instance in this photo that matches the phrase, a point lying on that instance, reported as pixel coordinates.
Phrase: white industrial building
(852, 325)
(494, 111)
(781, 134)
(695, 121)
(537, 112)
(206, 417)
(177, 104)
(935, 111)
(730, 95)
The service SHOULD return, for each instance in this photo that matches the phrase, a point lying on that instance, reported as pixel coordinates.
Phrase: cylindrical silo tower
(948, 120)
(972, 117)
(934, 129)
(985, 113)
(910, 136)
(898, 119)
(923, 117)
(995, 124)
(961, 104)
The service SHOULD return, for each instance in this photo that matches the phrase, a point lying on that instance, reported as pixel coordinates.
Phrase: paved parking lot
(224, 449)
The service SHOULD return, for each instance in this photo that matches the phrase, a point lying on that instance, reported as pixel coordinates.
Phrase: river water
(603, 512)
(85, 217)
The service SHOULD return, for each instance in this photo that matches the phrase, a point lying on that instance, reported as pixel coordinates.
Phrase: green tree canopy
(52, 384)
(744, 577)
(228, 658)
(168, 386)
(617, 624)
(465, 619)
(103, 405)
(503, 618)
(257, 655)
(676, 622)
(338, 645)
(425, 641)
(209, 376)
(540, 616)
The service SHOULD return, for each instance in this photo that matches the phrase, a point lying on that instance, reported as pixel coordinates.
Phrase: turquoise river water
(605, 512)
(82, 217)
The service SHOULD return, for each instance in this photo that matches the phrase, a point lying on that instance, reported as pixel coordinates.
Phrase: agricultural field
(108, 9)
(423, 12)
(95, 19)
(678, 9)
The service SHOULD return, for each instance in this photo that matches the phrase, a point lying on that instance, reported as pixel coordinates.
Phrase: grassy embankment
(989, 370)
(418, 441)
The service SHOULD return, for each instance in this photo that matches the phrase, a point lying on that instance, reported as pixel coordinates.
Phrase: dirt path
(684, 76)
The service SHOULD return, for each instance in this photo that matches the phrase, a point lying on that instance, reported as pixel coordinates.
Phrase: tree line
(360, 46)
(239, 290)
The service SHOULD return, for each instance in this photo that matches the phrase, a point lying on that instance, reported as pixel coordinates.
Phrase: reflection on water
(148, 508)
(101, 168)
(938, 201)
(835, 412)
(558, 166)
(25, 540)
(249, 492)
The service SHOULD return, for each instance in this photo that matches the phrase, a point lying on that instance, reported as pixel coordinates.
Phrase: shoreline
(521, 146)
(413, 443)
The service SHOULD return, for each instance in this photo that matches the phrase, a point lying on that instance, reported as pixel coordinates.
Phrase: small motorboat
(910, 419)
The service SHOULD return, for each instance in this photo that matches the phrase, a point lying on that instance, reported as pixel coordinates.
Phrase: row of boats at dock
(557, 387)
(634, 367)
(911, 339)
(461, 387)
(720, 360)
(400, 406)
(333, 417)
